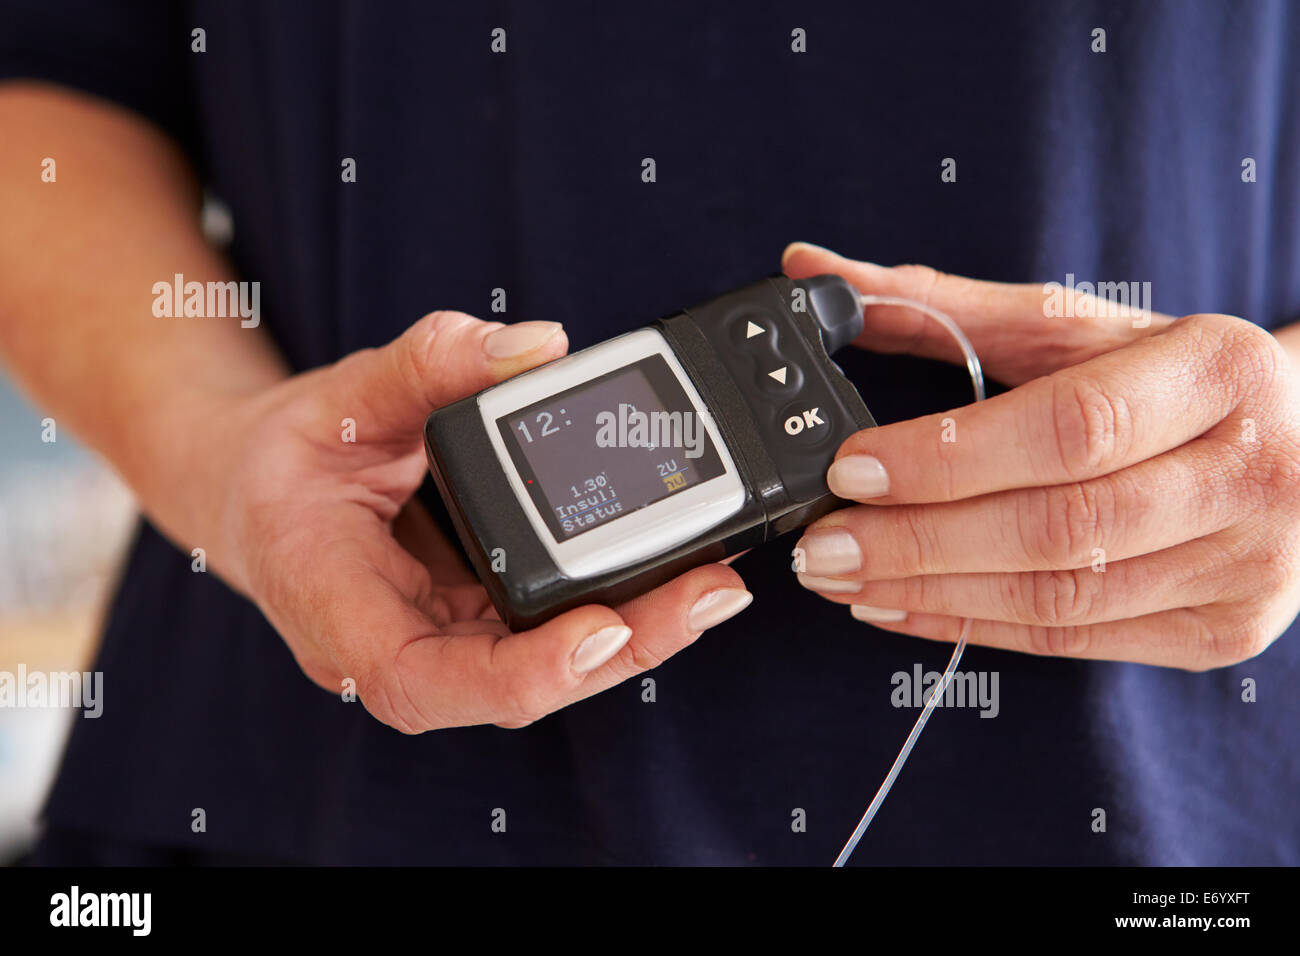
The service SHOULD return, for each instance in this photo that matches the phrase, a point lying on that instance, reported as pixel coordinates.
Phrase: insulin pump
(608, 472)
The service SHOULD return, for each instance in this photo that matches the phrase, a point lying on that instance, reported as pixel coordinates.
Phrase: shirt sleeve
(130, 52)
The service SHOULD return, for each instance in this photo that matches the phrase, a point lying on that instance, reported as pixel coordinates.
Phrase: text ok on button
(804, 420)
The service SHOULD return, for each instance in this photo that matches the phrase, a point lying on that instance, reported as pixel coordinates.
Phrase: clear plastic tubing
(977, 380)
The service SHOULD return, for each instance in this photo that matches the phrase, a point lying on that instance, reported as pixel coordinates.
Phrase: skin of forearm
(78, 261)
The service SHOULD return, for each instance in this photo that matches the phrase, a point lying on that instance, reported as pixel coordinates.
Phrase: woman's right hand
(324, 534)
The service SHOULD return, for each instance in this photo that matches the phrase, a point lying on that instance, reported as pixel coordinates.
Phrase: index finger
(1079, 423)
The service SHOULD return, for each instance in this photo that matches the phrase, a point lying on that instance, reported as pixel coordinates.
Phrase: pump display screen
(609, 446)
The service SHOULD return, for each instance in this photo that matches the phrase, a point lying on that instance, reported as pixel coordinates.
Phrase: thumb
(1020, 331)
(444, 357)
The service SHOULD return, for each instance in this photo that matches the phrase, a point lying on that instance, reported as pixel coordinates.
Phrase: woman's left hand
(1135, 496)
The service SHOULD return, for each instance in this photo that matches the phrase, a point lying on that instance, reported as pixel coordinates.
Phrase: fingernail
(828, 585)
(877, 615)
(804, 246)
(858, 477)
(715, 607)
(519, 339)
(600, 647)
(830, 551)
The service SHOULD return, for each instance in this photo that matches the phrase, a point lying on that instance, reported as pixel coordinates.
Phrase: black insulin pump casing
(533, 497)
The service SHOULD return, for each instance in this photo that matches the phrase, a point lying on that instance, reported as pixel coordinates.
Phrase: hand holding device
(309, 489)
(1135, 497)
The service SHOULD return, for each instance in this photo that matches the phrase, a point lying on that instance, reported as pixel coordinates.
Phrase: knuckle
(430, 336)
(1090, 429)
(1209, 331)
(920, 281)
(643, 657)
(1238, 352)
(436, 345)
(1274, 474)
(393, 704)
(946, 468)
(1055, 598)
(1064, 524)
(1241, 639)
(523, 701)
(1276, 571)
(918, 544)
(924, 591)
(426, 341)
(1048, 641)
(1252, 350)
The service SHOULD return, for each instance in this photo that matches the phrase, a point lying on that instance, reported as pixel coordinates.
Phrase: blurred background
(65, 520)
(65, 523)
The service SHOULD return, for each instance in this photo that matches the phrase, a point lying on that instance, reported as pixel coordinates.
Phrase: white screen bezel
(640, 534)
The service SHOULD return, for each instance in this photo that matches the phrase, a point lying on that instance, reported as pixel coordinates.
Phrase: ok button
(807, 421)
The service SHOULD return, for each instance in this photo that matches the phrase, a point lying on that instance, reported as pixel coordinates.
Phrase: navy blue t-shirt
(522, 170)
